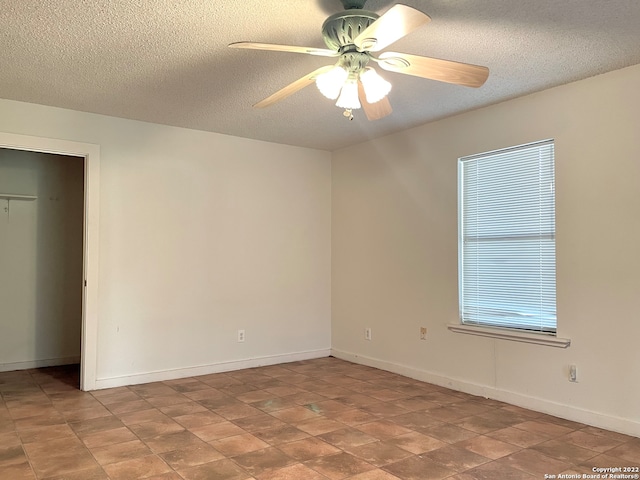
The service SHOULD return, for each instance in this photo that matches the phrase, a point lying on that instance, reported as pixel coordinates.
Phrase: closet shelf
(16, 196)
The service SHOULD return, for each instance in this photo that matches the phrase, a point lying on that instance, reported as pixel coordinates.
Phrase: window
(507, 258)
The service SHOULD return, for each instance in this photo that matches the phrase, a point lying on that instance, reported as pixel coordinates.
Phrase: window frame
(507, 332)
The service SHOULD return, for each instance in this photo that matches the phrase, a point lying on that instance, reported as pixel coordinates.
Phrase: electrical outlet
(423, 333)
(573, 374)
(240, 336)
(367, 334)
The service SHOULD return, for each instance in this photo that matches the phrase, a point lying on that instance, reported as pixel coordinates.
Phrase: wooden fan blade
(322, 52)
(292, 87)
(394, 24)
(434, 69)
(374, 111)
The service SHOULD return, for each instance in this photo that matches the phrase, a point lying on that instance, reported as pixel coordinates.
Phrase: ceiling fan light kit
(354, 35)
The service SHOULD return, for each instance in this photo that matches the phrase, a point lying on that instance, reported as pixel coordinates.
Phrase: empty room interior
(210, 272)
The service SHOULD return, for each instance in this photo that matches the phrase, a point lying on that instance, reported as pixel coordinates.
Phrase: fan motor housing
(340, 29)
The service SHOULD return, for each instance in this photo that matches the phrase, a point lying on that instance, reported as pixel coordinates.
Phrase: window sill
(512, 335)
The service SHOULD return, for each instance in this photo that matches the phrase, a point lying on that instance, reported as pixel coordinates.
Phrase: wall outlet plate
(423, 333)
(240, 336)
(367, 334)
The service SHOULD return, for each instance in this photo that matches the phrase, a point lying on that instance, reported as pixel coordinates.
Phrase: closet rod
(16, 196)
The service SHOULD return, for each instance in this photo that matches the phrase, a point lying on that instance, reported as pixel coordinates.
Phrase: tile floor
(311, 420)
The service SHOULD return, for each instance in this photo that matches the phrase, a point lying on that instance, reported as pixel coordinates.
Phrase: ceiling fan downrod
(350, 4)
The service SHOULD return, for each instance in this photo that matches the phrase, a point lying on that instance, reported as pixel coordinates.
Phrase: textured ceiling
(167, 61)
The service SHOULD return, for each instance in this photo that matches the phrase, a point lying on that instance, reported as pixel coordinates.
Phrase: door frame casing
(91, 154)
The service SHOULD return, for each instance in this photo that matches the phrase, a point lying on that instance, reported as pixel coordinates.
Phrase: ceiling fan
(356, 36)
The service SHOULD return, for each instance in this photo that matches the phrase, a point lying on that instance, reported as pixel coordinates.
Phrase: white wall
(40, 260)
(200, 235)
(394, 252)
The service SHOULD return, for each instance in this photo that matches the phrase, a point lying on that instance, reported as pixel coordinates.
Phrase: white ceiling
(167, 61)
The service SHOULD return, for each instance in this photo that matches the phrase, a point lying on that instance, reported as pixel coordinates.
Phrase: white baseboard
(160, 376)
(608, 422)
(47, 362)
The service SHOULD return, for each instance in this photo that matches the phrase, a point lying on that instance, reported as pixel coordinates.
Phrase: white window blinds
(507, 256)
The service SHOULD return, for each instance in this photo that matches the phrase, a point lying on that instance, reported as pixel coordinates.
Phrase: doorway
(89, 155)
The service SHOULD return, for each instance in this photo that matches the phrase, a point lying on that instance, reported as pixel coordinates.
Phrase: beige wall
(200, 235)
(40, 260)
(394, 252)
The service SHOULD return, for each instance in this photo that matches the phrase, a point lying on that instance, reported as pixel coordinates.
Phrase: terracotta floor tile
(55, 447)
(255, 423)
(386, 394)
(172, 441)
(413, 404)
(607, 433)
(292, 472)
(142, 416)
(12, 455)
(418, 468)
(235, 412)
(295, 414)
(448, 433)
(120, 452)
(51, 418)
(255, 396)
(155, 428)
(191, 456)
(383, 409)
(455, 458)
(215, 431)
(515, 436)
(108, 437)
(165, 476)
(86, 413)
(129, 406)
(543, 428)
(416, 442)
(482, 425)
(167, 400)
(17, 471)
(495, 471)
(93, 473)
(339, 466)
(488, 447)
(286, 421)
(308, 448)
(273, 404)
(326, 407)
(382, 429)
(565, 452)
(347, 437)
(238, 444)
(358, 400)
(62, 462)
(137, 468)
(9, 439)
(533, 462)
(379, 453)
(120, 396)
(199, 419)
(629, 451)
(352, 417)
(43, 434)
(263, 461)
(376, 474)
(279, 435)
(416, 420)
(317, 426)
(86, 427)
